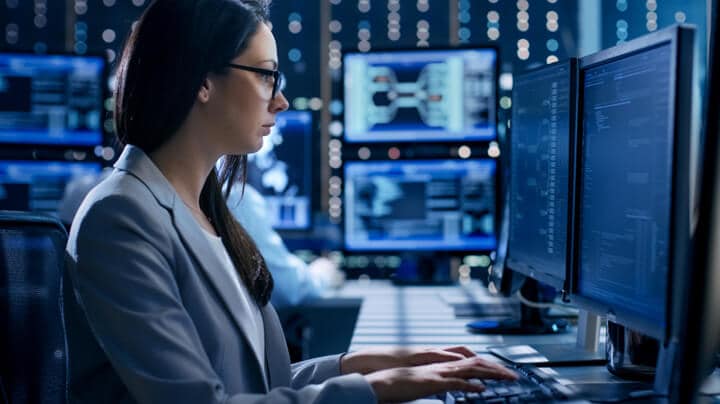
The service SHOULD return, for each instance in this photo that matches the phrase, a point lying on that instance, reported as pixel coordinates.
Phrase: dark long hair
(168, 55)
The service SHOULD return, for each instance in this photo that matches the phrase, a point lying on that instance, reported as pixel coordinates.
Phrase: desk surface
(423, 315)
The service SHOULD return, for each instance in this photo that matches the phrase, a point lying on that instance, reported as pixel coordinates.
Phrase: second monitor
(541, 155)
(539, 194)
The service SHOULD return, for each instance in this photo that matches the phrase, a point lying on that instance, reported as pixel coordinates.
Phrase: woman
(171, 294)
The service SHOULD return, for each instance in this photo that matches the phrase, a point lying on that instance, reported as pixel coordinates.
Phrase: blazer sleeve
(121, 266)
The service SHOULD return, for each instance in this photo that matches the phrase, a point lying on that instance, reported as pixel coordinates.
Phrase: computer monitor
(282, 170)
(540, 176)
(539, 194)
(419, 95)
(633, 199)
(699, 326)
(431, 205)
(38, 186)
(51, 99)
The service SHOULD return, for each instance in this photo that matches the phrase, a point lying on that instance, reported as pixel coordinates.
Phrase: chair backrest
(32, 335)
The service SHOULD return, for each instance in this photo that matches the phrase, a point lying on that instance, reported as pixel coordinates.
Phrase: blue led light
(552, 45)
(294, 55)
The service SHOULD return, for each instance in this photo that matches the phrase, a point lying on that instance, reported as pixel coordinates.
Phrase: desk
(421, 315)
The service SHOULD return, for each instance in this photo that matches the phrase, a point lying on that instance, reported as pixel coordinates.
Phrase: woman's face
(240, 105)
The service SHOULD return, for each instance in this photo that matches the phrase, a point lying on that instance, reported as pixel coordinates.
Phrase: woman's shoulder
(119, 203)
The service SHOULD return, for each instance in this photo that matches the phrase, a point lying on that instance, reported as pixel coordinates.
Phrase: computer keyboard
(531, 387)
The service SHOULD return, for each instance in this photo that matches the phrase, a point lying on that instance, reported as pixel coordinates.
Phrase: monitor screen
(420, 205)
(38, 185)
(539, 178)
(627, 175)
(281, 170)
(51, 99)
(420, 95)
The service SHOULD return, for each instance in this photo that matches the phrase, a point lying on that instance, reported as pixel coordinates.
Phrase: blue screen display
(424, 95)
(420, 205)
(627, 157)
(38, 185)
(51, 99)
(539, 171)
(281, 170)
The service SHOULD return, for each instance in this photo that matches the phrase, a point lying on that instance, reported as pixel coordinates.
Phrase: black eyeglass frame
(277, 76)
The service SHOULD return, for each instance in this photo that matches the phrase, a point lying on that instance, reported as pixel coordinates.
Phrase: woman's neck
(186, 163)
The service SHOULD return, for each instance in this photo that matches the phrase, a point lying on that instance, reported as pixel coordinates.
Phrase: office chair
(32, 335)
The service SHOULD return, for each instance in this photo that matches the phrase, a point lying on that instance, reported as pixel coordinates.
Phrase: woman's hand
(411, 383)
(371, 360)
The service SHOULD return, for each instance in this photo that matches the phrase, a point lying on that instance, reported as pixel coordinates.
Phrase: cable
(537, 305)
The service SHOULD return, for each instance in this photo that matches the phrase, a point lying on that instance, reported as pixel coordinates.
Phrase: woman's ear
(203, 95)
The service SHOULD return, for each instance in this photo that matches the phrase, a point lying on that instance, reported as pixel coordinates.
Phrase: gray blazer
(152, 320)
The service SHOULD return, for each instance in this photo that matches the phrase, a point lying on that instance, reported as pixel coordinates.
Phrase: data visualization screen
(540, 171)
(51, 99)
(38, 185)
(420, 95)
(626, 174)
(281, 170)
(420, 205)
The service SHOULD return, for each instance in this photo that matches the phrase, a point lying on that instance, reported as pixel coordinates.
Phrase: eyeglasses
(278, 78)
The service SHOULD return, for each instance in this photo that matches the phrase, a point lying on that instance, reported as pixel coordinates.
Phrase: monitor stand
(584, 352)
(631, 355)
(533, 321)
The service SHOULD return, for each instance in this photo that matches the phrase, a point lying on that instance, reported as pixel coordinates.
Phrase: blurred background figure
(295, 281)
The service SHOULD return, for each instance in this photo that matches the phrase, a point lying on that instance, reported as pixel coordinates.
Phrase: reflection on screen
(47, 99)
(281, 170)
(38, 185)
(420, 95)
(626, 175)
(420, 205)
(539, 172)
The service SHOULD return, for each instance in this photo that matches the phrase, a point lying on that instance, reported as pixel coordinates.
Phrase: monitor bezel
(394, 249)
(680, 39)
(105, 135)
(561, 284)
(352, 51)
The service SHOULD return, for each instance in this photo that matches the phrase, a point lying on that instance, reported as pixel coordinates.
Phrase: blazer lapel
(195, 241)
(137, 163)
(276, 353)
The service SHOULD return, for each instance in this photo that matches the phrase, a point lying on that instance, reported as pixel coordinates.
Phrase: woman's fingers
(437, 356)
(456, 383)
(429, 356)
(462, 350)
(476, 368)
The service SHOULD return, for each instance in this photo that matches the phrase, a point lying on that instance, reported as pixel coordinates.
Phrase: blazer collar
(134, 160)
(137, 163)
